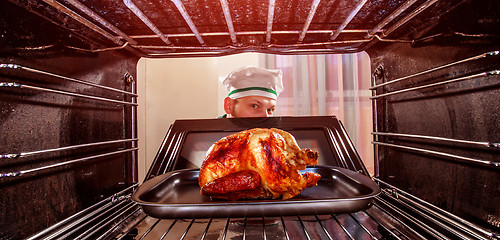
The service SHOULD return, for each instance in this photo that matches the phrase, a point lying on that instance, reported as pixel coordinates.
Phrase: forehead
(257, 99)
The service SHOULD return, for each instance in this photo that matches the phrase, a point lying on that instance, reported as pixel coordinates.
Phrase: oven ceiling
(181, 28)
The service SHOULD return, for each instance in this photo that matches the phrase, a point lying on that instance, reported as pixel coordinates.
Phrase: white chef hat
(254, 81)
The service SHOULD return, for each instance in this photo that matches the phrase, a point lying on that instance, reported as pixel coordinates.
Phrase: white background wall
(179, 88)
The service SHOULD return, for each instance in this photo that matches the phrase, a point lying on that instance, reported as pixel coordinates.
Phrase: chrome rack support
(32, 170)
(108, 214)
(441, 154)
(488, 54)
(483, 144)
(28, 69)
(484, 74)
(83, 215)
(409, 217)
(17, 85)
(432, 210)
(25, 154)
(104, 235)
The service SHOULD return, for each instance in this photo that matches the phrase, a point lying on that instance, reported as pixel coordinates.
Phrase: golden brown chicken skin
(256, 163)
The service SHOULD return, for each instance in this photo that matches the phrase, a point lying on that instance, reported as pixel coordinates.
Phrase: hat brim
(253, 93)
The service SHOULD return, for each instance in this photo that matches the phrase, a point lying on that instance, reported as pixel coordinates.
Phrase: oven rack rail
(95, 219)
(394, 214)
(11, 68)
(92, 20)
(473, 58)
(380, 93)
(17, 67)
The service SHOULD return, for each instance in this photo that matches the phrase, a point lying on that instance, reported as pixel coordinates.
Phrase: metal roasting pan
(176, 194)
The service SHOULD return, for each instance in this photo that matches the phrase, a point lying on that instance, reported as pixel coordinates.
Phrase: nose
(263, 113)
(267, 114)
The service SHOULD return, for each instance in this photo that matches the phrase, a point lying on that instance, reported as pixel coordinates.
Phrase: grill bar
(229, 21)
(118, 224)
(108, 215)
(349, 18)
(153, 226)
(146, 20)
(84, 21)
(312, 12)
(384, 227)
(284, 228)
(408, 17)
(101, 20)
(414, 220)
(270, 19)
(368, 224)
(225, 229)
(362, 226)
(188, 20)
(303, 228)
(343, 227)
(391, 17)
(381, 204)
(323, 227)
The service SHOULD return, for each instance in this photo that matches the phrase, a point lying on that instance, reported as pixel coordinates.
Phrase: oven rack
(393, 215)
(364, 37)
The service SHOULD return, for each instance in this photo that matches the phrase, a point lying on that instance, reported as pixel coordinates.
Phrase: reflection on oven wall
(315, 85)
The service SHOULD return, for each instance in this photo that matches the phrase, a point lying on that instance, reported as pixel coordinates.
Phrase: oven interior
(68, 152)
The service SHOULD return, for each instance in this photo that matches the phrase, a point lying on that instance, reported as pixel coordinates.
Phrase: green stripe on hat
(253, 88)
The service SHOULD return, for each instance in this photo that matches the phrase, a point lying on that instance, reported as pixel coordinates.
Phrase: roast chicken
(257, 163)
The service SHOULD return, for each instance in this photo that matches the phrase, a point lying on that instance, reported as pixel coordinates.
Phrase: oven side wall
(41, 189)
(460, 110)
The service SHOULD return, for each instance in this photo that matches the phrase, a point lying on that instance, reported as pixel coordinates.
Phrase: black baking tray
(177, 195)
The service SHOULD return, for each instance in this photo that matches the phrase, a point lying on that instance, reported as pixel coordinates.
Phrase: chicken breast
(257, 163)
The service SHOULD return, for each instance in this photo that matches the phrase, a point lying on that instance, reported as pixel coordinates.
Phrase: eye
(254, 106)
